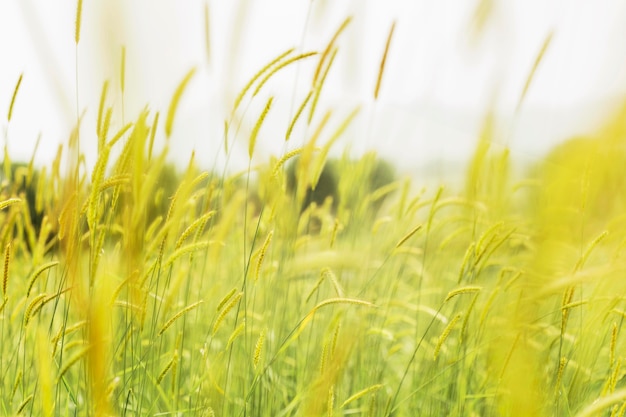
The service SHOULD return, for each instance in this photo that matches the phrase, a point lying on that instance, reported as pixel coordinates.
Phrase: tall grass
(213, 296)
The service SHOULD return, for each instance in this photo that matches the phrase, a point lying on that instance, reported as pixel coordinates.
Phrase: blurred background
(450, 63)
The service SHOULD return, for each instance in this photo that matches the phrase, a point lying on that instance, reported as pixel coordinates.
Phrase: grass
(142, 292)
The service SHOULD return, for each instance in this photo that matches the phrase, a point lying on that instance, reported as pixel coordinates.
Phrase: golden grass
(258, 349)
(259, 263)
(255, 77)
(383, 61)
(533, 70)
(5, 274)
(231, 304)
(170, 364)
(127, 343)
(297, 115)
(178, 93)
(469, 289)
(362, 393)
(280, 66)
(444, 335)
(329, 47)
(32, 306)
(79, 16)
(37, 272)
(406, 237)
(9, 202)
(257, 127)
(178, 315)
(317, 91)
(13, 97)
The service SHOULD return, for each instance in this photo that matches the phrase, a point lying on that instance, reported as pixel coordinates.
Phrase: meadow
(130, 288)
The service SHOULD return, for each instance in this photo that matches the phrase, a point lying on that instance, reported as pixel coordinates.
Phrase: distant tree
(356, 187)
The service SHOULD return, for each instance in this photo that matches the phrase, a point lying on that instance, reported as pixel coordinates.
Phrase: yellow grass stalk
(329, 48)
(256, 76)
(195, 225)
(171, 112)
(153, 128)
(44, 373)
(614, 377)
(47, 300)
(320, 85)
(5, 275)
(341, 129)
(258, 349)
(266, 244)
(341, 300)
(488, 305)
(531, 74)
(207, 33)
(331, 400)
(119, 134)
(602, 403)
(178, 315)
(279, 67)
(408, 236)
(172, 362)
(323, 358)
(99, 121)
(236, 333)
(333, 344)
(115, 181)
(24, 403)
(16, 384)
(613, 343)
(581, 262)
(97, 178)
(559, 374)
(31, 307)
(15, 90)
(79, 13)
(281, 162)
(71, 362)
(37, 272)
(192, 247)
(220, 318)
(468, 253)
(297, 115)
(106, 124)
(469, 289)
(362, 393)
(9, 202)
(317, 286)
(567, 299)
(383, 61)
(7, 163)
(123, 71)
(64, 332)
(333, 235)
(41, 186)
(257, 127)
(333, 279)
(444, 335)
(226, 298)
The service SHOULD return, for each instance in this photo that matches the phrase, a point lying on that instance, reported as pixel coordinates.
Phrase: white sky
(438, 84)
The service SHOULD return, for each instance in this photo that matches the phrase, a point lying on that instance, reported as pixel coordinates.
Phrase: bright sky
(441, 77)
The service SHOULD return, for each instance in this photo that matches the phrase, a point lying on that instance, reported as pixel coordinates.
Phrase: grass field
(129, 289)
